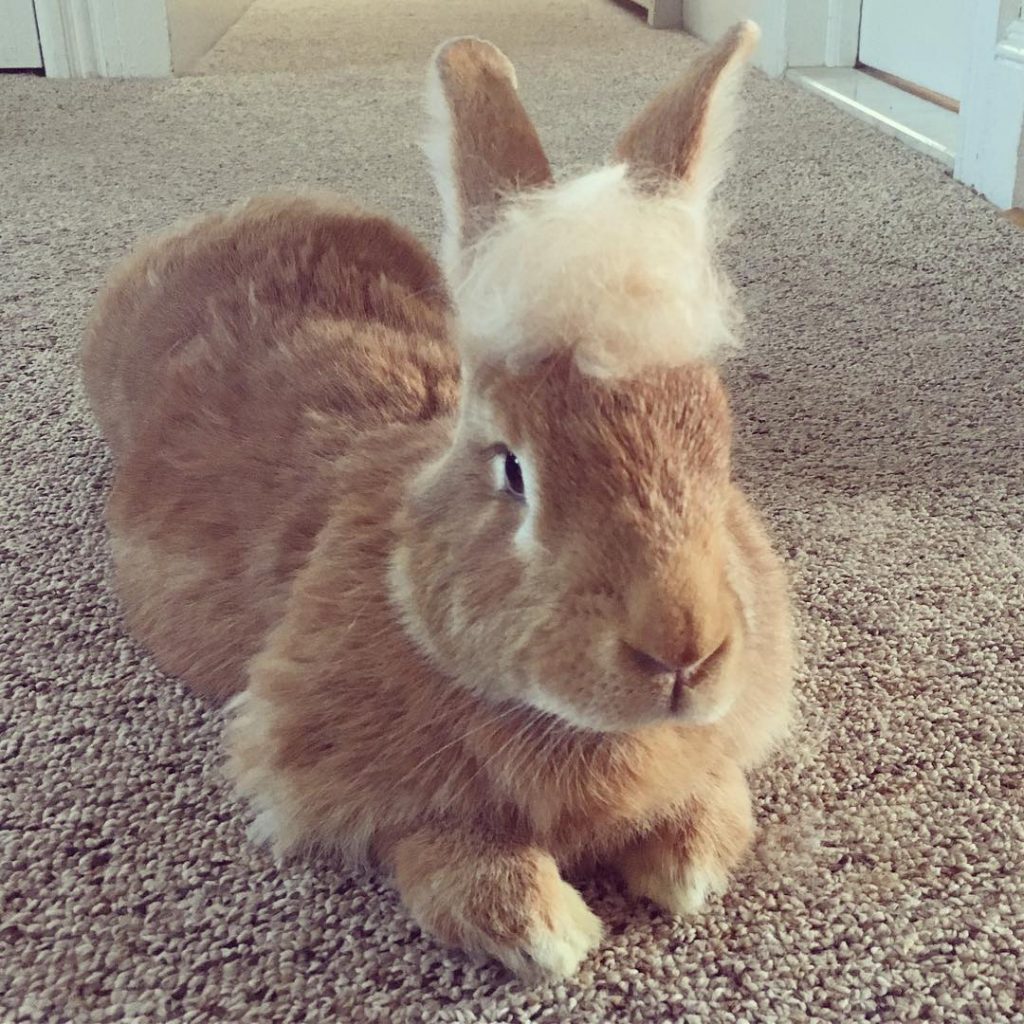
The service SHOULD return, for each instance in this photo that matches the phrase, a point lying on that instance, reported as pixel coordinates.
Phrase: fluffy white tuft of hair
(625, 280)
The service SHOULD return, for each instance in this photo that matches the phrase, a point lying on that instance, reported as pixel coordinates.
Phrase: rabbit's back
(228, 292)
(230, 364)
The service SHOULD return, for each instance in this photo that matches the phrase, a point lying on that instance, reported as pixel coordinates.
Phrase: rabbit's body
(475, 568)
(231, 364)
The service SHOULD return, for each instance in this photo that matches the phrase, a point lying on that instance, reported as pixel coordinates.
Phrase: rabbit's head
(571, 549)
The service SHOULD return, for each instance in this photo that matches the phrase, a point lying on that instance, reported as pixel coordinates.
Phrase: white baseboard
(921, 125)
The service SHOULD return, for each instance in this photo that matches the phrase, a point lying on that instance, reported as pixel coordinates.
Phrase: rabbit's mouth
(702, 695)
(704, 705)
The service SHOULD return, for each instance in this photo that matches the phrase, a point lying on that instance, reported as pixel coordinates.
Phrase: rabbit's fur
(315, 509)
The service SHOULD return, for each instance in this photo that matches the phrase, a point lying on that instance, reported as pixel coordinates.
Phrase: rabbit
(461, 542)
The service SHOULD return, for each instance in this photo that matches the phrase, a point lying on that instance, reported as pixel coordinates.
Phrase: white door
(924, 42)
(19, 41)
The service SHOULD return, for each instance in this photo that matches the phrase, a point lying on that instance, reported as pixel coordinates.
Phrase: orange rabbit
(473, 565)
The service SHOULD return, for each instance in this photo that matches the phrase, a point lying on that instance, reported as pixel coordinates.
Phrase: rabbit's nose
(678, 676)
(688, 667)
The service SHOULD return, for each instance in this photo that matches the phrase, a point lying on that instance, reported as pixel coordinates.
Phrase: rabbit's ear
(679, 142)
(482, 144)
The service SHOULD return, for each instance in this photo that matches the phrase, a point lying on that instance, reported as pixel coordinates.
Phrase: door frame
(104, 38)
(129, 38)
(808, 34)
(990, 154)
(794, 33)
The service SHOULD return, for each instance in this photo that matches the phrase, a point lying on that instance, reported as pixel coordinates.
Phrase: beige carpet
(879, 410)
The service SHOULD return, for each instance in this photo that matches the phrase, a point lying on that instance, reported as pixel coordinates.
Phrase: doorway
(917, 45)
(945, 76)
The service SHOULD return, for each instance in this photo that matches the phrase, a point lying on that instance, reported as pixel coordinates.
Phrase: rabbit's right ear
(482, 144)
(679, 142)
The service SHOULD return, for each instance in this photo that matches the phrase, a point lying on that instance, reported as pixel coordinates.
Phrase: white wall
(195, 25)
(709, 19)
(19, 44)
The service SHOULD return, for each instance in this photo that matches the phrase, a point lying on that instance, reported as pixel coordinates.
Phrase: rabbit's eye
(509, 477)
(514, 476)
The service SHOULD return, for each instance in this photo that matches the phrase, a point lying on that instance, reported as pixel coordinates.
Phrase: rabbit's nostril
(648, 662)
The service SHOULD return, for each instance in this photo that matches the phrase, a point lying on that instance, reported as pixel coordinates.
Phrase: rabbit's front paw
(564, 930)
(509, 903)
(689, 858)
(679, 885)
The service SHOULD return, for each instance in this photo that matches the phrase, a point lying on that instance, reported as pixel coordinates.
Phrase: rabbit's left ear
(482, 144)
(679, 142)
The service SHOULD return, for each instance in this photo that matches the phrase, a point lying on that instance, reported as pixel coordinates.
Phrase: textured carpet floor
(879, 412)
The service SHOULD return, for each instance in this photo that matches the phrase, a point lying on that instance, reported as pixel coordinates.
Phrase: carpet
(880, 428)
